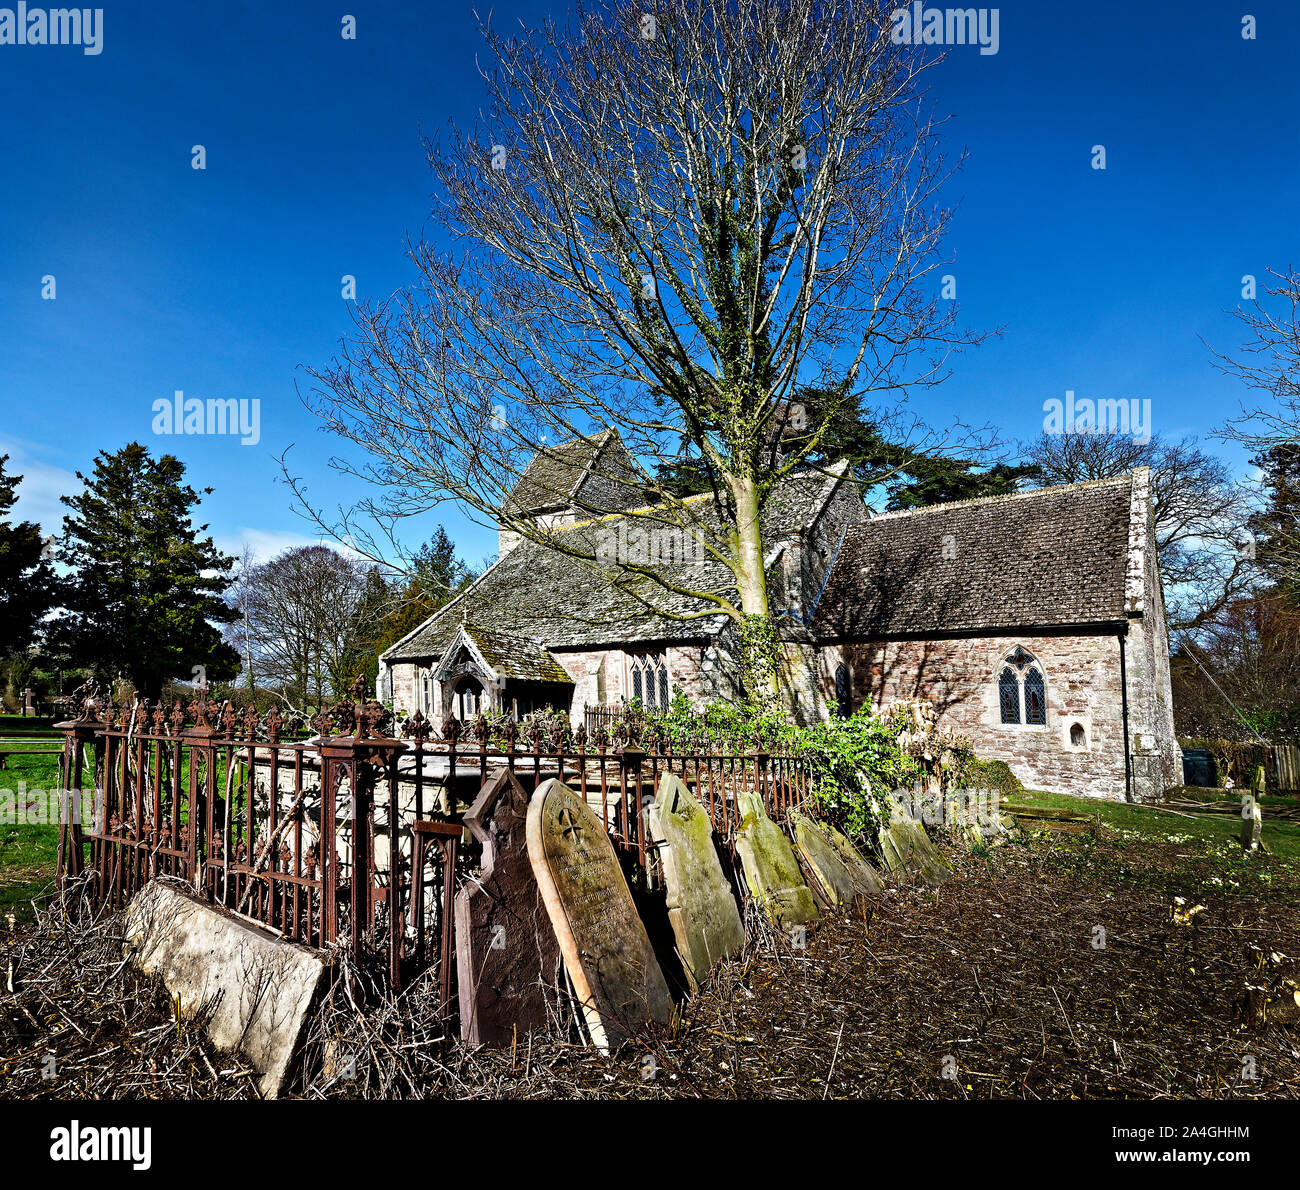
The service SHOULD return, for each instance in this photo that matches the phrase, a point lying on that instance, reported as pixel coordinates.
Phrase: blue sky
(224, 282)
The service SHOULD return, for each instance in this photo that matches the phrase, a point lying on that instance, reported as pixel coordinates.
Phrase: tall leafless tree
(1202, 512)
(671, 218)
(300, 617)
(1268, 363)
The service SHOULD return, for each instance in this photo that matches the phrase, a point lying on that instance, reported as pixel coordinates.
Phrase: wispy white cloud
(41, 487)
(263, 544)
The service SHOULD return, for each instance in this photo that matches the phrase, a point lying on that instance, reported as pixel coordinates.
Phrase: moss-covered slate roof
(595, 472)
(514, 657)
(565, 602)
(1053, 556)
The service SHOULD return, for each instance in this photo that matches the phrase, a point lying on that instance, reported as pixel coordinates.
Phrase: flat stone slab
(702, 909)
(257, 989)
(507, 958)
(909, 852)
(771, 870)
(829, 875)
(865, 877)
(606, 951)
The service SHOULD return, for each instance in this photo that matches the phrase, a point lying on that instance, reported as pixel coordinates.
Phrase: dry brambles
(992, 986)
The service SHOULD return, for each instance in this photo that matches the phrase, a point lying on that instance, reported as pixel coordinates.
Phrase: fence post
(360, 757)
(202, 798)
(71, 855)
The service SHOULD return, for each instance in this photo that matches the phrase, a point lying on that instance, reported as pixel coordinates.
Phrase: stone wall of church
(600, 677)
(1156, 757)
(959, 677)
(404, 686)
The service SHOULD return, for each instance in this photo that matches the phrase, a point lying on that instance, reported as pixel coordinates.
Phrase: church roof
(1047, 557)
(571, 602)
(515, 658)
(555, 474)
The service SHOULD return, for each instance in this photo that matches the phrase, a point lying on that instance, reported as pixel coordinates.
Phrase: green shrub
(990, 774)
(855, 761)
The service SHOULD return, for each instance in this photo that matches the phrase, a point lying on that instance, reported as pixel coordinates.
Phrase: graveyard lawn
(28, 853)
(1060, 966)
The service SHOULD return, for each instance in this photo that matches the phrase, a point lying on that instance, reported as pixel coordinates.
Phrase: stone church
(1033, 623)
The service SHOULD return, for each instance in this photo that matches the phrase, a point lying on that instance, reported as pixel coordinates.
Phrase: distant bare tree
(1251, 648)
(674, 216)
(1269, 363)
(1202, 513)
(299, 620)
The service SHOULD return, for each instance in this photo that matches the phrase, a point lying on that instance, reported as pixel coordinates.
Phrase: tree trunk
(759, 645)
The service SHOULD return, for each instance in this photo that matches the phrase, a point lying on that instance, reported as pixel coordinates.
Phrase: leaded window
(843, 698)
(1035, 698)
(1009, 696)
(1022, 690)
(650, 682)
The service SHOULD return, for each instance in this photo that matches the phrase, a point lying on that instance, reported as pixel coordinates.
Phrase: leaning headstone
(771, 870)
(828, 874)
(1252, 824)
(701, 907)
(606, 951)
(506, 954)
(865, 877)
(908, 850)
(255, 992)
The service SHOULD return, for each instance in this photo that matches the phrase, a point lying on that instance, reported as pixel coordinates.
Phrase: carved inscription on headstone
(606, 950)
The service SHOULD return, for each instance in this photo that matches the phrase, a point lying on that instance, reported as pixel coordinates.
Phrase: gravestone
(865, 877)
(828, 878)
(606, 951)
(506, 954)
(701, 906)
(771, 870)
(908, 850)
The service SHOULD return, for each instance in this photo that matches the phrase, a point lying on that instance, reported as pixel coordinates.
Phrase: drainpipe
(1123, 700)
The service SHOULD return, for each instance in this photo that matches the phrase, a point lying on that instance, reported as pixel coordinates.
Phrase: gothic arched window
(1022, 690)
(1009, 696)
(1035, 697)
(843, 699)
(650, 681)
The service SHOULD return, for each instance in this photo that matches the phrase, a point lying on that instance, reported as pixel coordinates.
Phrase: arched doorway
(467, 698)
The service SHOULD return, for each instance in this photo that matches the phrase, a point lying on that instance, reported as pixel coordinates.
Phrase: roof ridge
(1006, 498)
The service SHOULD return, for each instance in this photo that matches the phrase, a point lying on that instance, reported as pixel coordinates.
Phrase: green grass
(1280, 838)
(26, 723)
(28, 854)
(28, 857)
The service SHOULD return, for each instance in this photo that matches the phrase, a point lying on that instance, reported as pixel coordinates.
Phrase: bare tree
(300, 618)
(1202, 513)
(237, 632)
(1242, 679)
(1269, 363)
(669, 221)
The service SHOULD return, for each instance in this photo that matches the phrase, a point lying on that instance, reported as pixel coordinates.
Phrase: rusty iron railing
(352, 837)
